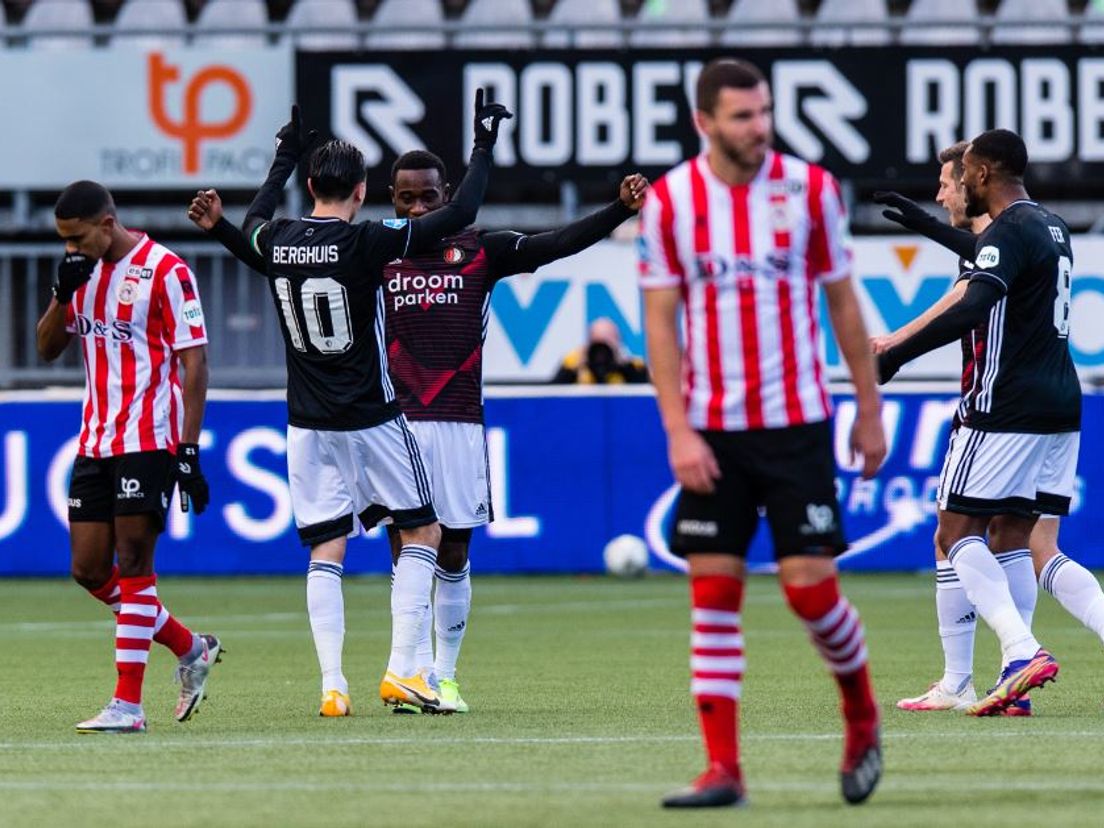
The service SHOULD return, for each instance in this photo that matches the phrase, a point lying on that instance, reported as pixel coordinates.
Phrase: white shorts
(373, 473)
(456, 456)
(1002, 473)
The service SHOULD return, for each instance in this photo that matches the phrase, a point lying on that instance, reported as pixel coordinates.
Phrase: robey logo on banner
(591, 114)
(191, 129)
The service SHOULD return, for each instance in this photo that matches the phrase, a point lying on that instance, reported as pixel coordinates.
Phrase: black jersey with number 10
(326, 277)
(1024, 379)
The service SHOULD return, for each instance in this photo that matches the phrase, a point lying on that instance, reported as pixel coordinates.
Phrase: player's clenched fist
(73, 271)
(205, 209)
(633, 189)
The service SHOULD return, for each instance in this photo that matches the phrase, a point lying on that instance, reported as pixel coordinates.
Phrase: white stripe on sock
(715, 618)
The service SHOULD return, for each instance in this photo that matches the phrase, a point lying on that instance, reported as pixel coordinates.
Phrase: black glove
(73, 272)
(192, 483)
(291, 140)
(887, 367)
(487, 118)
(910, 214)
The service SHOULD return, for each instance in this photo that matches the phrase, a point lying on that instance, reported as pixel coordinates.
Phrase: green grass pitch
(581, 716)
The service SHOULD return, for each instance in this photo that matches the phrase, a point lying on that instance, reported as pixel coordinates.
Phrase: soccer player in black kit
(351, 455)
(437, 307)
(1015, 455)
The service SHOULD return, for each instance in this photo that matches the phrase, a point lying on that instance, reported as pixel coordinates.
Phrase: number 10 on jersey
(325, 312)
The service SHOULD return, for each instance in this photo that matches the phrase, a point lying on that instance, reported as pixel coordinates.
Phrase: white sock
(987, 588)
(410, 594)
(1020, 572)
(957, 624)
(424, 656)
(326, 607)
(451, 609)
(1075, 588)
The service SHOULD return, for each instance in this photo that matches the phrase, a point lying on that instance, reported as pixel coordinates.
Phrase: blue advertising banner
(569, 472)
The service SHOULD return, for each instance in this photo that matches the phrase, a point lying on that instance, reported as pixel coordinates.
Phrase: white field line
(888, 786)
(436, 740)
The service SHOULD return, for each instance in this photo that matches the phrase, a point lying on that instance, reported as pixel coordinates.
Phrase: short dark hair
(335, 169)
(84, 200)
(1004, 149)
(418, 160)
(721, 73)
(953, 154)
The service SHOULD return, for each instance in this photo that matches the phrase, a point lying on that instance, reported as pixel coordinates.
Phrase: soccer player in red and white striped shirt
(741, 238)
(134, 306)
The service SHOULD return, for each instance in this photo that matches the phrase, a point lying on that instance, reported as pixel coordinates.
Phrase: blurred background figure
(603, 360)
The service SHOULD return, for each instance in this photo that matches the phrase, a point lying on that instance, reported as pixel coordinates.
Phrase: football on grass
(626, 556)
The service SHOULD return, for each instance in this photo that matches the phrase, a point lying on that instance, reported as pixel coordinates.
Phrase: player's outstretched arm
(461, 211)
(511, 252)
(867, 435)
(292, 143)
(206, 212)
(881, 344)
(911, 215)
(962, 316)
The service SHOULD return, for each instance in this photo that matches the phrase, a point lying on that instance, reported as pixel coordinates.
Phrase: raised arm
(511, 252)
(206, 212)
(292, 143)
(911, 215)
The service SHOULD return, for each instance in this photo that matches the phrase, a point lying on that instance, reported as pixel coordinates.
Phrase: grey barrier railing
(246, 349)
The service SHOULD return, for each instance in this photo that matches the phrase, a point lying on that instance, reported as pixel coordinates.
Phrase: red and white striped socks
(717, 665)
(133, 634)
(837, 633)
(167, 631)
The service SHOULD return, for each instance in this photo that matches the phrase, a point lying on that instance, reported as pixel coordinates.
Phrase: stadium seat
(482, 13)
(655, 17)
(835, 19)
(337, 13)
(44, 15)
(783, 12)
(1092, 30)
(965, 33)
(397, 12)
(151, 14)
(218, 15)
(1038, 13)
(592, 12)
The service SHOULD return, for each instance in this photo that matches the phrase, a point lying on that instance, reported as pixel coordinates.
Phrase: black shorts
(791, 472)
(102, 489)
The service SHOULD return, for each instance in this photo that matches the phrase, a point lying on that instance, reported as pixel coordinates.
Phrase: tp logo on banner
(191, 129)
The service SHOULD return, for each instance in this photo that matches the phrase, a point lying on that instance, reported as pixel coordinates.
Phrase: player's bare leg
(811, 587)
(326, 608)
(405, 681)
(717, 671)
(1072, 586)
(987, 587)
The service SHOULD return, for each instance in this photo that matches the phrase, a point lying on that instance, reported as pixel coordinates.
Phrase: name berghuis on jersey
(314, 255)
